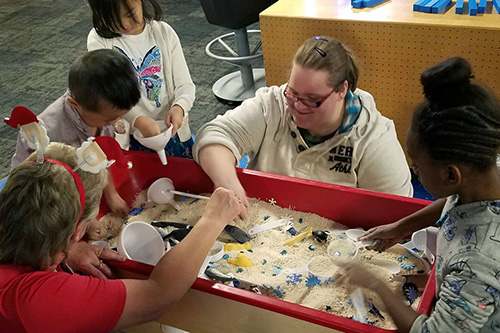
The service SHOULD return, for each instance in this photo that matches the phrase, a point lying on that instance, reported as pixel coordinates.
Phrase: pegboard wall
(392, 56)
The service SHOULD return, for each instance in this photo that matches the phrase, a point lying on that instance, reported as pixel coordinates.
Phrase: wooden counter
(394, 45)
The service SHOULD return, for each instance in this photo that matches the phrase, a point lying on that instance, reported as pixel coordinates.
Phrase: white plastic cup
(217, 250)
(103, 244)
(341, 250)
(140, 241)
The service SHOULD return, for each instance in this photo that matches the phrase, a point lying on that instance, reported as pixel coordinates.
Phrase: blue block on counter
(472, 8)
(481, 8)
(440, 6)
(371, 3)
(419, 5)
(357, 4)
(428, 6)
(496, 3)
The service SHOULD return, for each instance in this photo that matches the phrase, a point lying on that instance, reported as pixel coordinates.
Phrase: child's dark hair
(460, 120)
(106, 15)
(103, 75)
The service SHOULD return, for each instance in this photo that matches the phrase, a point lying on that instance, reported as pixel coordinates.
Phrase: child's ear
(453, 175)
(80, 230)
(73, 102)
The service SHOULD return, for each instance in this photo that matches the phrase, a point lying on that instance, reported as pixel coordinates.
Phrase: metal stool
(236, 15)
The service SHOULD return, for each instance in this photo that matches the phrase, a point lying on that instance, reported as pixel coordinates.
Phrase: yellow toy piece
(241, 260)
(231, 247)
(298, 238)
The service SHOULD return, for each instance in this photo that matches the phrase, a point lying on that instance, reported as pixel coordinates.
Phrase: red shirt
(43, 301)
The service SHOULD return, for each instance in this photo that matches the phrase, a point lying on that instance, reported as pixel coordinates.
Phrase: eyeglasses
(291, 98)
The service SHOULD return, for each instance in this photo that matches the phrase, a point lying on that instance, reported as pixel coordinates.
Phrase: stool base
(230, 87)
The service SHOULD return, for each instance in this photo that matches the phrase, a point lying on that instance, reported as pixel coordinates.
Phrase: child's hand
(383, 237)
(94, 230)
(174, 117)
(115, 202)
(354, 274)
(147, 126)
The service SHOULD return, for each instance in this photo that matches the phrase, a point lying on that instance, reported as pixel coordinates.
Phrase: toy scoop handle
(189, 195)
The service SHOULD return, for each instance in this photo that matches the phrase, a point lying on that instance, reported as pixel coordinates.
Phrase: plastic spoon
(157, 142)
(423, 243)
(359, 304)
(354, 235)
(389, 265)
(162, 191)
(342, 251)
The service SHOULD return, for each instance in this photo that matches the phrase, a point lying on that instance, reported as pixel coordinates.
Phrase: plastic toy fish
(241, 260)
(320, 235)
(374, 310)
(164, 224)
(177, 234)
(231, 247)
(238, 234)
(410, 291)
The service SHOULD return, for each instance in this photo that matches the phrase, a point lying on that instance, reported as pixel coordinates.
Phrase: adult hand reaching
(218, 162)
(224, 205)
(88, 259)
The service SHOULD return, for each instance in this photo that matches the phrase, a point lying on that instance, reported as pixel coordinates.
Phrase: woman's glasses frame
(291, 98)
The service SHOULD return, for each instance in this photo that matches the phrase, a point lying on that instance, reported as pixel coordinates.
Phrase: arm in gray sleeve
(22, 151)
(467, 297)
(242, 129)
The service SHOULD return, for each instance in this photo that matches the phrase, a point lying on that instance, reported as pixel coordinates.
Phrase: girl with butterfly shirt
(133, 28)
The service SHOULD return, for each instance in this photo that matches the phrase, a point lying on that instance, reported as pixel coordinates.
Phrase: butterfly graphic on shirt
(146, 72)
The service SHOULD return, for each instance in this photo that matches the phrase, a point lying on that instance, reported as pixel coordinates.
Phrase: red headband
(77, 180)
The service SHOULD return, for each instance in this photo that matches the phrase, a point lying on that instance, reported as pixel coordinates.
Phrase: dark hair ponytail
(459, 122)
(446, 81)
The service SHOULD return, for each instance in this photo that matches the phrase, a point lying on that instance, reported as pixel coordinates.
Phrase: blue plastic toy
(472, 7)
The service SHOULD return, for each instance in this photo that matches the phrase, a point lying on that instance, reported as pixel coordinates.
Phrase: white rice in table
(270, 257)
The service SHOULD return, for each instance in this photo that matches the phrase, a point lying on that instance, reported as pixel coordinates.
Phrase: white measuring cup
(311, 268)
(354, 235)
(423, 243)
